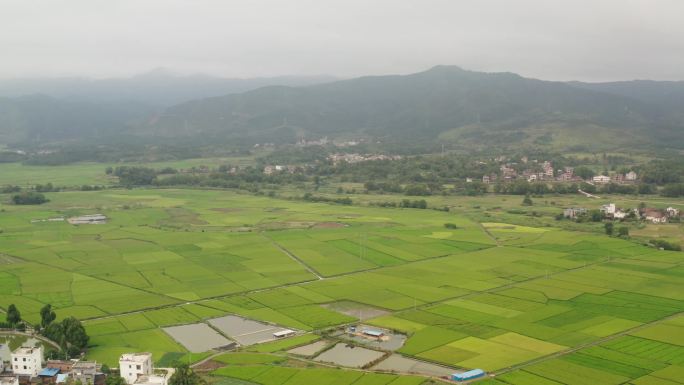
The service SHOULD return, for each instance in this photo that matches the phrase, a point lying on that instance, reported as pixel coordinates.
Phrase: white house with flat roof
(161, 378)
(27, 361)
(134, 365)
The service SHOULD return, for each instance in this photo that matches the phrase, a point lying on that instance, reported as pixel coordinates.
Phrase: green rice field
(529, 305)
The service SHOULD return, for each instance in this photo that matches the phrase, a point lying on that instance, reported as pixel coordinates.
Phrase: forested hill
(445, 103)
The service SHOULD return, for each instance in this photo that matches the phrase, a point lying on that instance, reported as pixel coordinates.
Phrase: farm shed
(373, 333)
(469, 375)
(284, 333)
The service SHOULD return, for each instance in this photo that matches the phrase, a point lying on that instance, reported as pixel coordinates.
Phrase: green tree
(29, 198)
(13, 315)
(47, 315)
(184, 375)
(115, 380)
(527, 201)
(69, 334)
(75, 333)
(609, 228)
(623, 231)
(596, 215)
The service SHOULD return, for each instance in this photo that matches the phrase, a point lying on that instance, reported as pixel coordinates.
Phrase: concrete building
(631, 176)
(574, 212)
(87, 372)
(601, 179)
(161, 378)
(134, 365)
(64, 366)
(27, 361)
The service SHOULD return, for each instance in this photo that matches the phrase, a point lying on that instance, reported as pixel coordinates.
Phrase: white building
(672, 212)
(284, 333)
(162, 378)
(608, 209)
(601, 179)
(631, 176)
(27, 361)
(134, 365)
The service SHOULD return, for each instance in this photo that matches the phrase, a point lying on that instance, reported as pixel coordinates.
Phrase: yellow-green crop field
(531, 305)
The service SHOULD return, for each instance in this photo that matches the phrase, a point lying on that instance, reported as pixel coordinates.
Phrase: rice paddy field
(528, 304)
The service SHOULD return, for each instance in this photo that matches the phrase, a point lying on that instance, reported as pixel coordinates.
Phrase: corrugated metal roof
(49, 372)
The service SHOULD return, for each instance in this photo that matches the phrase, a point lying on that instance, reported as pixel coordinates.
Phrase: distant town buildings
(357, 158)
(631, 176)
(574, 212)
(273, 169)
(601, 179)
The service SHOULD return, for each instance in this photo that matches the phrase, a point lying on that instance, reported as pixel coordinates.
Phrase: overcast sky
(591, 40)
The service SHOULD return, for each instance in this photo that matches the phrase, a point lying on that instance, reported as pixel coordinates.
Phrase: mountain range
(445, 104)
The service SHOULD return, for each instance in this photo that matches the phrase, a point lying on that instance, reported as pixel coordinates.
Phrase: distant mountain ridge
(159, 87)
(445, 105)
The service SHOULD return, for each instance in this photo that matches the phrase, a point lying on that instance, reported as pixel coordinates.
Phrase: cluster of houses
(611, 211)
(547, 173)
(277, 168)
(357, 158)
(629, 177)
(26, 366)
(544, 171)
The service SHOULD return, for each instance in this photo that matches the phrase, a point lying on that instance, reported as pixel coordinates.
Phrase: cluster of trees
(673, 190)
(9, 189)
(13, 318)
(404, 203)
(622, 231)
(29, 198)
(665, 245)
(133, 176)
(69, 333)
(522, 187)
(663, 171)
(316, 198)
(48, 187)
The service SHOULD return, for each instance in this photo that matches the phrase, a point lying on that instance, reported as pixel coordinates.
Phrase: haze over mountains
(158, 87)
(444, 104)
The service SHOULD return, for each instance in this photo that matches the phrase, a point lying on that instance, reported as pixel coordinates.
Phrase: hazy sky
(549, 39)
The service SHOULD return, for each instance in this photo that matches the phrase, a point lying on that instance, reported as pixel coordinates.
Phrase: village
(27, 366)
(545, 172)
(610, 211)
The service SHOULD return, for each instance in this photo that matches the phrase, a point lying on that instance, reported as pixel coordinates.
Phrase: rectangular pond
(310, 349)
(349, 356)
(401, 364)
(245, 331)
(198, 337)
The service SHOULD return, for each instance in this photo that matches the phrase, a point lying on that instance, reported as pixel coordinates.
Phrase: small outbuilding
(373, 333)
(284, 333)
(469, 375)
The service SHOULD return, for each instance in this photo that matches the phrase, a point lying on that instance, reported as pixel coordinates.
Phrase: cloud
(550, 39)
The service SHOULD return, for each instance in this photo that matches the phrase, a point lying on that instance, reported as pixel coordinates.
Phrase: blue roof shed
(469, 375)
(48, 372)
